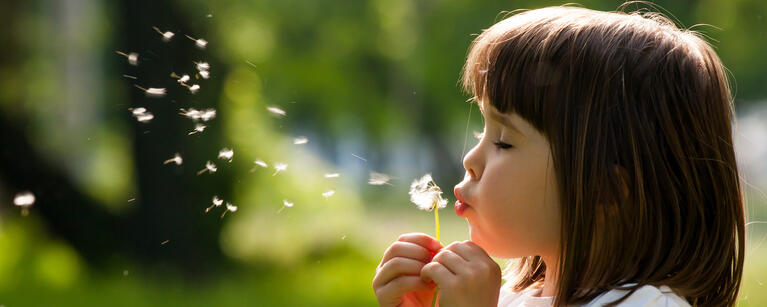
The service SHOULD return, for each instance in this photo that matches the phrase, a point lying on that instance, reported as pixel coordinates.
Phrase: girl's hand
(398, 278)
(465, 276)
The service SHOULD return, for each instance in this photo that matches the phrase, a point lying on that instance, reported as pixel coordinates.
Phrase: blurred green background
(372, 85)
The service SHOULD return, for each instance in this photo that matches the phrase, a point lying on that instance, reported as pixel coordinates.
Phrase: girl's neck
(550, 282)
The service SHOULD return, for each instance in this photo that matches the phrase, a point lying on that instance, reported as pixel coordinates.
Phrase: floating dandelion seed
(276, 110)
(279, 167)
(425, 194)
(261, 163)
(199, 42)
(193, 88)
(379, 179)
(209, 167)
(358, 157)
(201, 66)
(137, 111)
(229, 208)
(164, 242)
(130, 77)
(24, 200)
(287, 203)
(300, 140)
(152, 91)
(198, 128)
(226, 154)
(132, 57)
(217, 202)
(328, 194)
(181, 79)
(166, 36)
(176, 159)
(332, 175)
(204, 115)
(204, 74)
(146, 117)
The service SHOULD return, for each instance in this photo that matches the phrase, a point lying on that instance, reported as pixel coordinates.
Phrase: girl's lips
(460, 207)
(460, 204)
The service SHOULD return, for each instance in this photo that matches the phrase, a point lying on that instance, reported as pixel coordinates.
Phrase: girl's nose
(473, 164)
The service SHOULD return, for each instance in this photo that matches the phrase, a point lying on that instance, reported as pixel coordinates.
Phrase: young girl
(606, 165)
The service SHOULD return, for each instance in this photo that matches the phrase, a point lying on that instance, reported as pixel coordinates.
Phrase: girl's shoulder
(644, 296)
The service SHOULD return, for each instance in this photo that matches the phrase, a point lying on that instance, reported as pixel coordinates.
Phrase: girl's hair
(638, 114)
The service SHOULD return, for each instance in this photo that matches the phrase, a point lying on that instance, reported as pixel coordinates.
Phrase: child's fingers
(407, 250)
(438, 273)
(421, 239)
(452, 261)
(468, 250)
(399, 286)
(395, 267)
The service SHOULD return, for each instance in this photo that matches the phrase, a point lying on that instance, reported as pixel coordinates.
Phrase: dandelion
(300, 140)
(166, 36)
(379, 179)
(229, 208)
(202, 66)
(132, 57)
(152, 91)
(425, 194)
(176, 159)
(279, 167)
(217, 202)
(198, 128)
(209, 167)
(226, 154)
(276, 110)
(204, 74)
(328, 194)
(24, 200)
(332, 175)
(201, 43)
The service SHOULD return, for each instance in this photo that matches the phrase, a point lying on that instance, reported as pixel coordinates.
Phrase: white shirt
(645, 296)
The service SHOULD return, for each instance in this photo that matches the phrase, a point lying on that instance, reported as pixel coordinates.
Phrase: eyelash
(502, 145)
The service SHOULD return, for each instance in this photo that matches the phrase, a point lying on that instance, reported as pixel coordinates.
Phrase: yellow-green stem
(436, 226)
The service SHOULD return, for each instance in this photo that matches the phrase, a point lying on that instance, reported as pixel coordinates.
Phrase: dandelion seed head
(425, 194)
(276, 110)
(300, 140)
(261, 163)
(378, 178)
(24, 199)
(332, 175)
(287, 203)
(328, 193)
(226, 154)
(205, 74)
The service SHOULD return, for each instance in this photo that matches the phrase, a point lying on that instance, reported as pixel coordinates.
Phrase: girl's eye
(502, 145)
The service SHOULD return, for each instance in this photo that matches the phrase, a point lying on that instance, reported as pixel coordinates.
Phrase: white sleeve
(646, 296)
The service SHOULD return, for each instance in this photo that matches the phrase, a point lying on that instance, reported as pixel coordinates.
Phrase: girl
(606, 165)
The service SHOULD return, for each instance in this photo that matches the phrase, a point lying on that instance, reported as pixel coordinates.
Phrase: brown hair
(638, 114)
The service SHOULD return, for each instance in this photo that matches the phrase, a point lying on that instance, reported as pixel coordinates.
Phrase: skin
(513, 212)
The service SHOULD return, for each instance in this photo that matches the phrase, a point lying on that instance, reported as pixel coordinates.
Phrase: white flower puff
(426, 194)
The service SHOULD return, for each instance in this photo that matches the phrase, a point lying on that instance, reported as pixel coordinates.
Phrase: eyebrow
(504, 120)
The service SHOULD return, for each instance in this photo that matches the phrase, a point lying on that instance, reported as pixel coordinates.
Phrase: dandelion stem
(436, 228)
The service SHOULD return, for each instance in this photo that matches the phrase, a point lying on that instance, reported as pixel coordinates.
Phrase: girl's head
(622, 168)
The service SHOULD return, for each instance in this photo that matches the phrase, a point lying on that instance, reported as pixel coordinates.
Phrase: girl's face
(509, 193)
